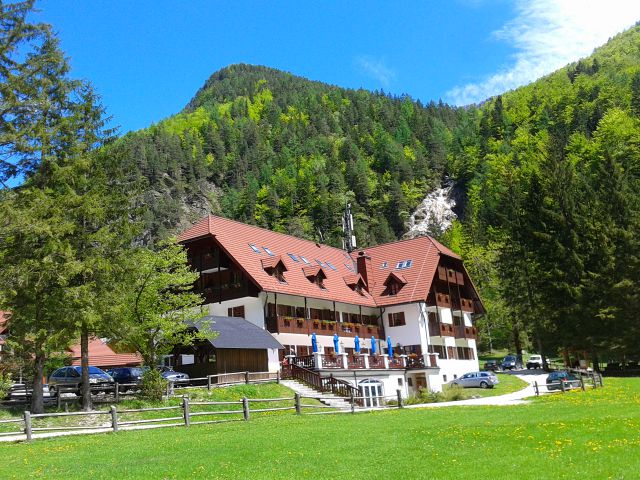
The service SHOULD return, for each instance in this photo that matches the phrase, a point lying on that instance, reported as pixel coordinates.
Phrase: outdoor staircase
(327, 398)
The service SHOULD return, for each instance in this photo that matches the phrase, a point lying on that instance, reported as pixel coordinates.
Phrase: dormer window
(315, 275)
(394, 283)
(356, 283)
(275, 267)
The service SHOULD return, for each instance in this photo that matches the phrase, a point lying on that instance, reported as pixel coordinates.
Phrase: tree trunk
(84, 362)
(545, 367)
(516, 340)
(37, 401)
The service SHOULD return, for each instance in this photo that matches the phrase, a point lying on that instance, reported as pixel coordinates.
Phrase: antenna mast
(349, 241)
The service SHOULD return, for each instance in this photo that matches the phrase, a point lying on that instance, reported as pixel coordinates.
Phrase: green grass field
(593, 434)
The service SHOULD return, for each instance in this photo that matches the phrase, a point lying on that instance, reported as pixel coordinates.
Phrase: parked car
(491, 365)
(554, 380)
(477, 379)
(19, 391)
(509, 362)
(127, 375)
(170, 374)
(72, 377)
(535, 361)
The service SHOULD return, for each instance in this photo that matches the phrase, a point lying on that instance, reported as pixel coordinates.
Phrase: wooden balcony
(281, 324)
(466, 332)
(451, 276)
(321, 361)
(441, 329)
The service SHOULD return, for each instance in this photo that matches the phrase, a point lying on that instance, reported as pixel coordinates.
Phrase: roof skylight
(384, 265)
(331, 266)
(269, 252)
(254, 248)
(349, 267)
(404, 264)
(304, 260)
(293, 257)
(320, 263)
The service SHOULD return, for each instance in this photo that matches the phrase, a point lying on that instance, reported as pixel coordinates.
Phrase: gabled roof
(424, 253)
(235, 237)
(237, 333)
(354, 279)
(271, 263)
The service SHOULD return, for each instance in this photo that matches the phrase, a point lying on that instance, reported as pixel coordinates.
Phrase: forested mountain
(547, 173)
(276, 150)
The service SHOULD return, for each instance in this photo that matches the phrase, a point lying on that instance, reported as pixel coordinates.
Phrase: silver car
(477, 379)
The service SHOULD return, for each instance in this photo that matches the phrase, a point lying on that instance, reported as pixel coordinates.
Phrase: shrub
(5, 384)
(153, 386)
(452, 393)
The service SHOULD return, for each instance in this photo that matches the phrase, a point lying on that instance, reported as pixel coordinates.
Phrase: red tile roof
(101, 355)
(234, 237)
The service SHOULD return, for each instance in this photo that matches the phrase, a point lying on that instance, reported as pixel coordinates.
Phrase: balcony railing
(342, 361)
(282, 324)
(466, 332)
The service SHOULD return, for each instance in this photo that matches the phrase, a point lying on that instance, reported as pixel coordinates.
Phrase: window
(444, 378)
(384, 265)
(318, 280)
(371, 390)
(269, 252)
(304, 260)
(404, 264)
(236, 311)
(331, 266)
(254, 248)
(320, 263)
(293, 257)
(408, 263)
(399, 382)
(393, 288)
(278, 274)
(396, 319)
(349, 267)
(400, 265)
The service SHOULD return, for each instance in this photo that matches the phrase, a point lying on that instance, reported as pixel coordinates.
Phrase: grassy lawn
(508, 384)
(593, 434)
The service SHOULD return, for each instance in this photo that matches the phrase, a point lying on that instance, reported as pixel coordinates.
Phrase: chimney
(363, 264)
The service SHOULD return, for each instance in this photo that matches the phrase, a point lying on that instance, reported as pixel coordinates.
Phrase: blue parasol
(389, 347)
(336, 344)
(357, 343)
(374, 346)
(314, 343)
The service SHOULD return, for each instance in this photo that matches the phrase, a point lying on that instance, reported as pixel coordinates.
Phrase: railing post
(117, 392)
(353, 402)
(385, 359)
(535, 387)
(185, 408)
(245, 408)
(366, 361)
(399, 394)
(114, 418)
(404, 360)
(246, 377)
(345, 361)
(208, 383)
(297, 402)
(27, 425)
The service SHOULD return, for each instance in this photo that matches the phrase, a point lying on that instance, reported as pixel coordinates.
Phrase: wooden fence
(182, 415)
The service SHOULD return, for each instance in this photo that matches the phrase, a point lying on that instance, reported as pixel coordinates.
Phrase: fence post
(353, 403)
(114, 418)
(185, 408)
(562, 385)
(581, 382)
(246, 377)
(536, 388)
(27, 425)
(117, 394)
(278, 376)
(298, 406)
(245, 408)
(208, 383)
(58, 399)
(593, 377)
(600, 377)
(399, 393)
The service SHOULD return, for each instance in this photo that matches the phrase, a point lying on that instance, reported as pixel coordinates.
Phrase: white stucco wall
(273, 360)
(253, 309)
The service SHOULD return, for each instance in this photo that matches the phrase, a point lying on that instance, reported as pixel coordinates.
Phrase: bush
(153, 386)
(5, 384)
(452, 393)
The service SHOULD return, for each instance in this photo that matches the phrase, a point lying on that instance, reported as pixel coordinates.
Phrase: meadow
(593, 434)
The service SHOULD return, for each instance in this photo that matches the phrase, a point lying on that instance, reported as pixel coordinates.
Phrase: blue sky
(148, 58)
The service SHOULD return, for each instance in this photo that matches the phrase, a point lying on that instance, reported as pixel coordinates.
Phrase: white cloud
(376, 69)
(547, 35)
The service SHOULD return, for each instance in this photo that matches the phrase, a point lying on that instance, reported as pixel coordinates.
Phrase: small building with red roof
(413, 295)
